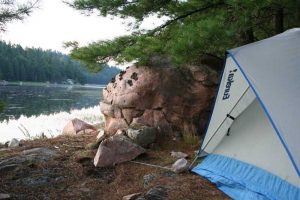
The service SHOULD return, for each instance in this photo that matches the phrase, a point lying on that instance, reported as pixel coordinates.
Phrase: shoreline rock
(166, 98)
(77, 127)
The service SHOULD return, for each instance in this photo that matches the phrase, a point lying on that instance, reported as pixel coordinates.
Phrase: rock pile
(124, 146)
(128, 144)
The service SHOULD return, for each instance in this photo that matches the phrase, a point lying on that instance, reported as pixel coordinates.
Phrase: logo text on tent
(228, 84)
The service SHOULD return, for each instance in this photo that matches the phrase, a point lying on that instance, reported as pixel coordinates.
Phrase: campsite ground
(71, 174)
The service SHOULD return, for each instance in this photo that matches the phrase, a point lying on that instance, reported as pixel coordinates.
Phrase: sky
(55, 22)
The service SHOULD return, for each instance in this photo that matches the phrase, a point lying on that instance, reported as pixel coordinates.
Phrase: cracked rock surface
(172, 100)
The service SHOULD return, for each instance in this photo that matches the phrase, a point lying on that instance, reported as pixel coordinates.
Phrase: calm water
(35, 100)
(33, 110)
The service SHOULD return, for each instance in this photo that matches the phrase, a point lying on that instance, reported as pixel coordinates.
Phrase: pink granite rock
(77, 126)
(169, 99)
(116, 149)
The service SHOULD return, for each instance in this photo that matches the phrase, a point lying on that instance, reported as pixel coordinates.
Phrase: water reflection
(31, 110)
(28, 100)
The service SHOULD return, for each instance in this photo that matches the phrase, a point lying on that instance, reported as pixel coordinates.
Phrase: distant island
(37, 65)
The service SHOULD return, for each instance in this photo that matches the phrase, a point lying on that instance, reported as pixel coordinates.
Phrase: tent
(252, 143)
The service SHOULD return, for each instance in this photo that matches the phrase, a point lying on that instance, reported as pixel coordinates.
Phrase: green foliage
(192, 28)
(97, 54)
(11, 10)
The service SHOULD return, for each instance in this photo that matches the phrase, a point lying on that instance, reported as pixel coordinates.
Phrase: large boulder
(116, 149)
(77, 126)
(172, 100)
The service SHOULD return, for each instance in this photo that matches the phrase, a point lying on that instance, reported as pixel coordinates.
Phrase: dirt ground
(72, 175)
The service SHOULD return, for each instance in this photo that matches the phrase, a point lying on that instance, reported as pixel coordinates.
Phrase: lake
(32, 109)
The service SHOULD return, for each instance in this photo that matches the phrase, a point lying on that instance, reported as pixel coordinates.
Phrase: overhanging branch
(210, 6)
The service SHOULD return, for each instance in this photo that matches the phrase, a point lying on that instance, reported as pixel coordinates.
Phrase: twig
(150, 165)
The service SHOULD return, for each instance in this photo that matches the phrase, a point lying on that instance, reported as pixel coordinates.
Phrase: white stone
(14, 143)
(180, 165)
(178, 154)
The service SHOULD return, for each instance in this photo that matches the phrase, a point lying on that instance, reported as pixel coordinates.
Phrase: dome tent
(252, 141)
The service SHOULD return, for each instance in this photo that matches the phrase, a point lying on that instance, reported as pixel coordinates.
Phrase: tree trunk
(279, 26)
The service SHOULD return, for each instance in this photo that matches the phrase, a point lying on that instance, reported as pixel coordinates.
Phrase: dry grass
(73, 176)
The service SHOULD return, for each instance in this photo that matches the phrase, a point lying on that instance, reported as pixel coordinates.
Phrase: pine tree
(11, 10)
(193, 28)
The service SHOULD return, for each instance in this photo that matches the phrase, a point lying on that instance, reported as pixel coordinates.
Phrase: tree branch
(211, 6)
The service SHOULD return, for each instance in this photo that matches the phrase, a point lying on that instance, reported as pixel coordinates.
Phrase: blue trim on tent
(241, 180)
(215, 100)
(268, 115)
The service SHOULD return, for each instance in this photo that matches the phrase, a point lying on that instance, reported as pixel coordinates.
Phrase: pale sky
(55, 22)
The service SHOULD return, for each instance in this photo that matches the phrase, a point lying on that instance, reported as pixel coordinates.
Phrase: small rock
(14, 143)
(180, 165)
(41, 152)
(157, 193)
(116, 149)
(4, 196)
(132, 196)
(178, 154)
(147, 179)
(32, 155)
(100, 136)
(77, 126)
(142, 136)
(91, 146)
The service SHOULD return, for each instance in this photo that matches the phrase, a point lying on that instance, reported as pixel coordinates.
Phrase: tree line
(37, 65)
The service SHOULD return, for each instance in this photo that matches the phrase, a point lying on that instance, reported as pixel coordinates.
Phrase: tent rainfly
(252, 143)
